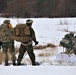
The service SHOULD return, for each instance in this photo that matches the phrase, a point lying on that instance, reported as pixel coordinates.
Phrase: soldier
(70, 38)
(7, 43)
(74, 45)
(27, 46)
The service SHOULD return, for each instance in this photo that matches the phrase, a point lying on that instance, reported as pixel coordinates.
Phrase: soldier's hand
(36, 42)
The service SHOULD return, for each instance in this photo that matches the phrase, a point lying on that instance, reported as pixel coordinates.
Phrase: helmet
(29, 21)
(6, 21)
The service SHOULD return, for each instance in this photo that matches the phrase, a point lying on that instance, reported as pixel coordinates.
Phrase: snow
(48, 30)
(40, 70)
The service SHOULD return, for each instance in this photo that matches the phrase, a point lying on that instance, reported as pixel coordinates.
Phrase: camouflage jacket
(5, 33)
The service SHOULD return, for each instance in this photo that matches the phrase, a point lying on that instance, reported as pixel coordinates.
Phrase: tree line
(38, 8)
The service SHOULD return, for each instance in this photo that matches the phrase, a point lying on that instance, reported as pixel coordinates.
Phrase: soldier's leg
(74, 51)
(12, 52)
(31, 53)
(22, 51)
(5, 55)
(67, 50)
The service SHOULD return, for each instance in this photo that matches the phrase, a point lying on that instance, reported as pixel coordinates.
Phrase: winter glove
(36, 42)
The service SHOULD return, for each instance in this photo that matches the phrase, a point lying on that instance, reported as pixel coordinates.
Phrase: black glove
(36, 42)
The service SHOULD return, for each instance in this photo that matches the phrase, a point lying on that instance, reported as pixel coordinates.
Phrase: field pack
(65, 43)
(5, 34)
(21, 33)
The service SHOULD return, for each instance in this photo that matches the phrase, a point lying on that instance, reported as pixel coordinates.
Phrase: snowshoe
(35, 64)
(20, 64)
(6, 64)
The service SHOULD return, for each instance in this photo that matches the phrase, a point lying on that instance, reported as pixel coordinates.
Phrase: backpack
(21, 33)
(5, 33)
(67, 41)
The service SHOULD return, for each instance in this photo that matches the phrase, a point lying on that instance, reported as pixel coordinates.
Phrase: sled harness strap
(26, 44)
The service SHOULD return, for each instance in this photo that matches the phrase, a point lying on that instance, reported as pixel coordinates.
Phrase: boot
(14, 63)
(35, 63)
(6, 63)
(19, 63)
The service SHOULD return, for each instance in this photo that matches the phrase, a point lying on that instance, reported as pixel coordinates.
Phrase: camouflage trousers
(8, 47)
(29, 50)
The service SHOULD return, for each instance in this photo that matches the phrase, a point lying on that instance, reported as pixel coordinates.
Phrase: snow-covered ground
(48, 30)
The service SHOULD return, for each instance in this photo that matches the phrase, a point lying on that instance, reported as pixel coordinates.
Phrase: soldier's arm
(33, 36)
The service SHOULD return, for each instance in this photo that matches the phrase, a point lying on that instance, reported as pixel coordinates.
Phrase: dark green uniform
(27, 46)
